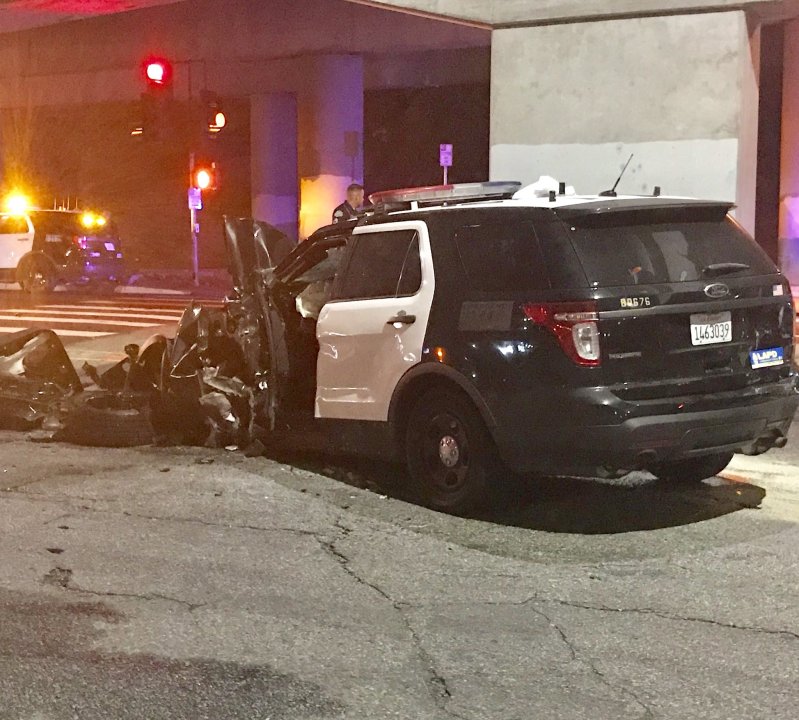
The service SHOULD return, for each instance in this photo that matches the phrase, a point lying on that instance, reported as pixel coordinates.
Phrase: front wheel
(35, 273)
(451, 457)
(692, 470)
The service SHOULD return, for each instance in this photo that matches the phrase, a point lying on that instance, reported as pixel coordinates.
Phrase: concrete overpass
(705, 94)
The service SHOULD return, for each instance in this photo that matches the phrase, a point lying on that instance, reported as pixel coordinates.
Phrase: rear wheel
(692, 470)
(35, 274)
(451, 457)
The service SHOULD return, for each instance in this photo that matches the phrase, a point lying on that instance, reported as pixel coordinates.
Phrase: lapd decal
(767, 358)
(480, 316)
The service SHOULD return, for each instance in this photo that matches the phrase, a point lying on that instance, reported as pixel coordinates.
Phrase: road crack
(63, 578)
(665, 616)
(436, 682)
(619, 690)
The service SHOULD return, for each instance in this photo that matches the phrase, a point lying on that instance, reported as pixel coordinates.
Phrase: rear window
(614, 251)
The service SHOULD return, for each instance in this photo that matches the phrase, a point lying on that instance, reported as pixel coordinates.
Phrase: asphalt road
(165, 584)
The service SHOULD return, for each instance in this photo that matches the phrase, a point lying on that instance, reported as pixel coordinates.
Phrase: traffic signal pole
(195, 231)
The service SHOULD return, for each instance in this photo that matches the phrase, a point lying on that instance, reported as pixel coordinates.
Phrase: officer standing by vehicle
(348, 210)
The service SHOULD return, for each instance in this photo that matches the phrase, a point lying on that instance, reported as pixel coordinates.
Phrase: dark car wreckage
(211, 384)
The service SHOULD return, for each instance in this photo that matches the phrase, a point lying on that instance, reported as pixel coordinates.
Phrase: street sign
(195, 198)
(445, 156)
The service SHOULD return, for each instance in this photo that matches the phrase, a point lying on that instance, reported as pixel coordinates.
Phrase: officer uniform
(344, 212)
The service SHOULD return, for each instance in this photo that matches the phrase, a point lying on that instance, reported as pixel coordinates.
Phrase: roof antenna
(612, 191)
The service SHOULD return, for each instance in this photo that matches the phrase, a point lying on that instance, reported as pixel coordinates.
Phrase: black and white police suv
(40, 248)
(472, 328)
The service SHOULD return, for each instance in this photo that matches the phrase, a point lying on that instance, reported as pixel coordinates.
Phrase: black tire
(35, 274)
(692, 470)
(451, 457)
(104, 420)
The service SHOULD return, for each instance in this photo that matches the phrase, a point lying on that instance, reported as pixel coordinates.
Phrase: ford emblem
(717, 290)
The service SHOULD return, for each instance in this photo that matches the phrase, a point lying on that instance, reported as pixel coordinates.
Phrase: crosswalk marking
(66, 333)
(74, 321)
(94, 313)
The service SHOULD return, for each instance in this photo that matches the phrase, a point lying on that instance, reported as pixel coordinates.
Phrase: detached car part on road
(469, 329)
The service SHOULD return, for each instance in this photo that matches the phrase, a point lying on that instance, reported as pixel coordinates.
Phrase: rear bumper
(646, 432)
(111, 269)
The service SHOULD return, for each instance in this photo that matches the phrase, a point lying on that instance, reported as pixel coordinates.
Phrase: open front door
(373, 330)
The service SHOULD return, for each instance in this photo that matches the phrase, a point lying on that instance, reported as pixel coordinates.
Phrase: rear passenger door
(373, 330)
(16, 240)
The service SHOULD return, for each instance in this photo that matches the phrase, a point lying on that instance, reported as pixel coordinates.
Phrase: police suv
(40, 248)
(472, 328)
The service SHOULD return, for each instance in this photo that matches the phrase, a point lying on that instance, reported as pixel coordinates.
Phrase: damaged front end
(36, 376)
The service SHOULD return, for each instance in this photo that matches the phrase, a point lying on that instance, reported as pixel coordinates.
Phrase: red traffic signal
(157, 72)
(205, 177)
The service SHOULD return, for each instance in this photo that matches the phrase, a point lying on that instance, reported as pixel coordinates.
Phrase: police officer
(348, 210)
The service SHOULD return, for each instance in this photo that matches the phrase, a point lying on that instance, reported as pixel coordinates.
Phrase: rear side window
(382, 264)
(502, 257)
(614, 252)
(13, 225)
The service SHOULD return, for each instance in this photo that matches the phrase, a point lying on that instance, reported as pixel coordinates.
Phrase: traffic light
(156, 121)
(205, 176)
(215, 118)
(158, 73)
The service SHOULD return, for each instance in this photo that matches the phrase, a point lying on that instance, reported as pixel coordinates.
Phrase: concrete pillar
(275, 182)
(574, 101)
(331, 136)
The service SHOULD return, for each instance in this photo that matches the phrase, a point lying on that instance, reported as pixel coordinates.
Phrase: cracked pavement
(188, 583)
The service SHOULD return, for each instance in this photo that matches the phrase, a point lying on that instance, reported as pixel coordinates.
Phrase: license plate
(110, 247)
(767, 358)
(710, 329)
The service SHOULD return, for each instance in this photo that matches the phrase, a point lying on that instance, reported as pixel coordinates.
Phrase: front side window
(382, 265)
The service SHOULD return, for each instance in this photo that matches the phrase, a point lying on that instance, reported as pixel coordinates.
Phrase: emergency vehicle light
(440, 194)
(16, 204)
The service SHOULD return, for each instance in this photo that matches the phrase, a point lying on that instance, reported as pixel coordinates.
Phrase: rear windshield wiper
(724, 268)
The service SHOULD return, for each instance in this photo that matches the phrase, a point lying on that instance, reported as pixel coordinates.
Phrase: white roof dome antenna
(542, 188)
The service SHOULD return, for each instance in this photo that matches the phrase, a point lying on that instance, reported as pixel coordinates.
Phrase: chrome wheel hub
(448, 451)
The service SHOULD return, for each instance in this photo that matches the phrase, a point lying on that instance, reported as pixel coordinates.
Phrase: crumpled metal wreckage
(211, 384)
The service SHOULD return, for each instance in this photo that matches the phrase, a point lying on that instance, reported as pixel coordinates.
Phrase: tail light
(575, 325)
(79, 241)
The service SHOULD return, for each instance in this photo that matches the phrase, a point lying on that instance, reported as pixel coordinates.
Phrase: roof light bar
(446, 193)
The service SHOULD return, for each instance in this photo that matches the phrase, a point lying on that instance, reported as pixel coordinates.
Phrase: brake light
(575, 325)
(79, 241)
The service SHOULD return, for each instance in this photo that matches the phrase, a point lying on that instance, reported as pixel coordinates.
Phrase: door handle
(22, 239)
(401, 319)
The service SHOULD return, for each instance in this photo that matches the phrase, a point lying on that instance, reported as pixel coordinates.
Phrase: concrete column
(275, 183)
(574, 101)
(331, 136)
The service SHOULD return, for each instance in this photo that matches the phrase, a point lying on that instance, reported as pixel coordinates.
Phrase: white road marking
(95, 313)
(74, 321)
(68, 333)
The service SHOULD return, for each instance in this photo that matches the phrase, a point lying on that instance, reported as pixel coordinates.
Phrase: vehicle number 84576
(635, 302)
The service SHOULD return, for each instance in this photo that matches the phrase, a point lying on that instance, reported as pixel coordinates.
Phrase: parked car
(40, 248)
(468, 329)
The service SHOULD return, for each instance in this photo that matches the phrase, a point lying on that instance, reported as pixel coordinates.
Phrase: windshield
(614, 252)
